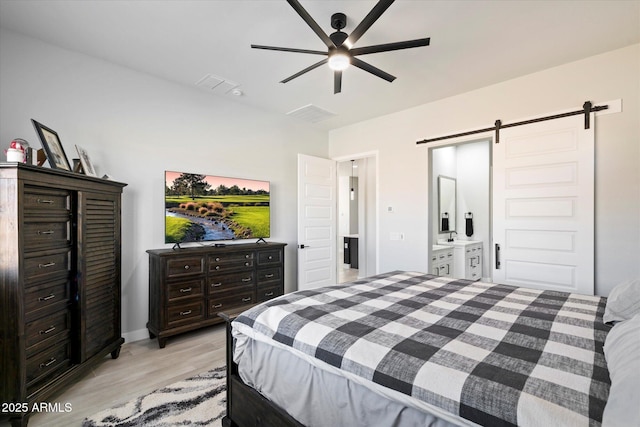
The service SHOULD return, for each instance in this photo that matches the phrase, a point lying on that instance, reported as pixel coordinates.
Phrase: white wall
(135, 127)
(403, 164)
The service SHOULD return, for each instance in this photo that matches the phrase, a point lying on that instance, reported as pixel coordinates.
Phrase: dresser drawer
(269, 276)
(218, 304)
(48, 266)
(185, 266)
(227, 282)
(270, 257)
(43, 297)
(231, 261)
(185, 313)
(185, 289)
(42, 333)
(39, 200)
(267, 293)
(47, 233)
(47, 363)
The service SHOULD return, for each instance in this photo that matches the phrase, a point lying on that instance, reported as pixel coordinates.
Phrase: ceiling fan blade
(288, 49)
(337, 82)
(311, 22)
(371, 69)
(390, 46)
(368, 21)
(299, 73)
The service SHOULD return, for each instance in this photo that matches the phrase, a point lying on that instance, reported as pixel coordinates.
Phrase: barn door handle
(497, 257)
(303, 246)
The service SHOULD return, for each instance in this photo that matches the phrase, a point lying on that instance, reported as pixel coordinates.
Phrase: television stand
(261, 240)
(176, 246)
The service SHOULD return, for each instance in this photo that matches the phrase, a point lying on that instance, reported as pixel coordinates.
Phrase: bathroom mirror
(446, 204)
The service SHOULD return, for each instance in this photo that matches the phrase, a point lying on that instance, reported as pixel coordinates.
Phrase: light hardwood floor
(141, 368)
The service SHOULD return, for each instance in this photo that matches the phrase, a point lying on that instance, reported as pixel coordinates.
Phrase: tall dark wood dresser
(59, 281)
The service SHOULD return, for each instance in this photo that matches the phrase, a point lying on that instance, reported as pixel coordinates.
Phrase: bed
(408, 348)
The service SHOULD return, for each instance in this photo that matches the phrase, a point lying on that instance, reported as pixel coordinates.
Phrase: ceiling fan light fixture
(339, 60)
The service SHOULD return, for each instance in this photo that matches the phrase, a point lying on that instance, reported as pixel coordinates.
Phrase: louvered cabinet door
(98, 279)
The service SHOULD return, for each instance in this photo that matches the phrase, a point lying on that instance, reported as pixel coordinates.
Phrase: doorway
(357, 219)
(468, 216)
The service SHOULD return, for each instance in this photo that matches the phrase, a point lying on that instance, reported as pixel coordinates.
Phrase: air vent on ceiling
(311, 113)
(217, 84)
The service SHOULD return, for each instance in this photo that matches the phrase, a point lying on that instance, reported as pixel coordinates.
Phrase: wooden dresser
(188, 287)
(59, 281)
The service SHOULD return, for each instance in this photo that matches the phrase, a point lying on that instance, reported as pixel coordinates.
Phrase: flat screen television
(205, 208)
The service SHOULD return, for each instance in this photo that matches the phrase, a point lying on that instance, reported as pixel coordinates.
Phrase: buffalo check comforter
(492, 354)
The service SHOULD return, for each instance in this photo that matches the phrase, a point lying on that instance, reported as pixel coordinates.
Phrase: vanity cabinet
(468, 259)
(188, 287)
(442, 261)
(59, 281)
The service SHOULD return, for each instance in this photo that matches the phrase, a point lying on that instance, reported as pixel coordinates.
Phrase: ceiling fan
(340, 51)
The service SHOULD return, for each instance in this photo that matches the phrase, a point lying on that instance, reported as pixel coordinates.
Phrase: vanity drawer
(185, 266)
(185, 289)
(229, 282)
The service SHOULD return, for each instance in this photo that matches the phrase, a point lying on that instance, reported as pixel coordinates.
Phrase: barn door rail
(587, 109)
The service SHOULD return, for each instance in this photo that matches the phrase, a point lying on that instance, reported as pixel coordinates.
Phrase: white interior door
(543, 205)
(317, 207)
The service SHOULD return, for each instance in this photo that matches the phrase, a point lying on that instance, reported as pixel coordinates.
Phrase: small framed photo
(52, 146)
(85, 161)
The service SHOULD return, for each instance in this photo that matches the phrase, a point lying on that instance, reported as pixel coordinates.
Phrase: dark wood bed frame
(245, 406)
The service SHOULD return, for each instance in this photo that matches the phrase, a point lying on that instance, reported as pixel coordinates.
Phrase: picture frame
(85, 161)
(52, 146)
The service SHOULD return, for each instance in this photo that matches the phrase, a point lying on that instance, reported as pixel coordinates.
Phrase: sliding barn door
(543, 206)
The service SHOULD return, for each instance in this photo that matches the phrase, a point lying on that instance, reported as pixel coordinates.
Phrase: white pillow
(622, 352)
(623, 302)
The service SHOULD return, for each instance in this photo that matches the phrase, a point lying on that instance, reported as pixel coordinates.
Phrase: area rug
(196, 401)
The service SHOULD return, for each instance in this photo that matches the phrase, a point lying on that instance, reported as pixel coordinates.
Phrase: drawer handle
(47, 298)
(45, 232)
(216, 285)
(48, 331)
(268, 294)
(186, 267)
(217, 259)
(185, 313)
(217, 305)
(48, 363)
(248, 279)
(270, 257)
(269, 276)
(217, 267)
(247, 256)
(246, 264)
(185, 290)
(247, 299)
(441, 256)
(45, 201)
(49, 264)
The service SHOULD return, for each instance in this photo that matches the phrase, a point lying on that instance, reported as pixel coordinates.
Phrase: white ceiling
(473, 44)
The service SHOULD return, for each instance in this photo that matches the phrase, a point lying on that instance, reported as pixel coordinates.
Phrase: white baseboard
(133, 336)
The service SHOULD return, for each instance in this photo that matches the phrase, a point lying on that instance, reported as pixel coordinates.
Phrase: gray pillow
(623, 302)
(622, 352)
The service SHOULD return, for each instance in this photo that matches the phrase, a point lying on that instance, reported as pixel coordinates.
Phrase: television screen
(206, 208)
